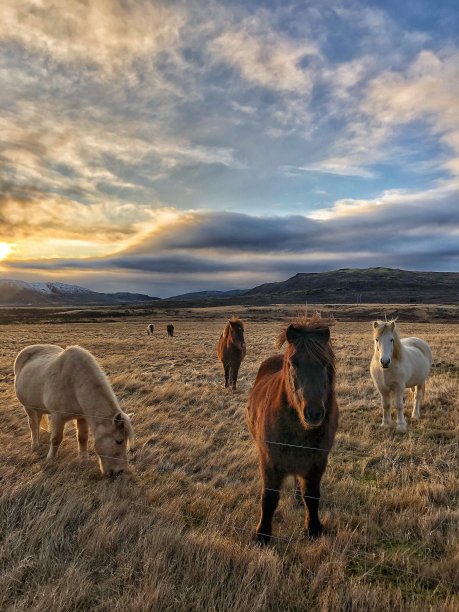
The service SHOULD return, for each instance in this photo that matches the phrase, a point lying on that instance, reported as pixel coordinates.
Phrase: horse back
(419, 345)
(33, 368)
(36, 354)
(269, 366)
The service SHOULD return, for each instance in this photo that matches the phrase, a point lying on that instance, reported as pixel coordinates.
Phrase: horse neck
(398, 347)
(100, 406)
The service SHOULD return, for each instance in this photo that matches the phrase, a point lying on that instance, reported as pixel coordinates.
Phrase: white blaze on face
(385, 344)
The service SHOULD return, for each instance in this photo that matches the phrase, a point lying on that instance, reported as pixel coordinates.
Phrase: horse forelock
(307, 340)
(233, 321)
(381, 327)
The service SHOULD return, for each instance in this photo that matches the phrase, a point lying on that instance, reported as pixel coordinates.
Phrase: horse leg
(401, 422)
(82, 436)
(227, 374)
(418, 395)
(272, 481)
(34, 424)
(297, 495)
(57, 433)
(234, 373)
(386, 421)
(310, 489)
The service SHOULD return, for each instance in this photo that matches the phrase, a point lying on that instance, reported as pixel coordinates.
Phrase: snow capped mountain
(46, 288)
(22, 293)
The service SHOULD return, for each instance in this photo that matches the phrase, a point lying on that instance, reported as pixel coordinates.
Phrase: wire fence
(366, 557)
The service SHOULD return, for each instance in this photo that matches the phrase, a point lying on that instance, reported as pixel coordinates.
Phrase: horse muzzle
(385, 363)
(314, 419)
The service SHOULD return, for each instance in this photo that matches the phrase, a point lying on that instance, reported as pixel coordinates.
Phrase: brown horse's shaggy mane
(307, 328)
(228, 325)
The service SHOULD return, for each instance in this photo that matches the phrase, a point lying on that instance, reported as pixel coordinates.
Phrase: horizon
(223, 290)
(233, 146)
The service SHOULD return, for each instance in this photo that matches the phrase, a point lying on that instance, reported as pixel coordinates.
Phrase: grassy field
(177, 534)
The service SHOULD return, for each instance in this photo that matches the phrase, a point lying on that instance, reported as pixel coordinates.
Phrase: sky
(182, 146)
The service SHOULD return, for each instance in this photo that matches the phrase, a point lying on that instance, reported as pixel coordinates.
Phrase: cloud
(417, 230)
(108, 34)
(425, 92)
(266, 58)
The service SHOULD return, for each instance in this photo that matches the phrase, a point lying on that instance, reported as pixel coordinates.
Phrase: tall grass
(177, 534)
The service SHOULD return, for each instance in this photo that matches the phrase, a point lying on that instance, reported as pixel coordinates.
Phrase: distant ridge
(367, 285)
(21, 293)
(345, 286)
(198, 295)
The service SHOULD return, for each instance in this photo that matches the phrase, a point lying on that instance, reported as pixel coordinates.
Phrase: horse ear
(375, 324)
(292, 334)
(231, 322)
(392, 325)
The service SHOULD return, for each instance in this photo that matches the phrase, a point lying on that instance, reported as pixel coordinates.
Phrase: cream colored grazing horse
(68, 384)
(398, 364)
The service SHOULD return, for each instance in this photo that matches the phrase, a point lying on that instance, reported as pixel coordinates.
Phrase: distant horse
(293, 417)
(396, 365)
(150, 329)
(231, 350)
(170, 330)
(68, 384)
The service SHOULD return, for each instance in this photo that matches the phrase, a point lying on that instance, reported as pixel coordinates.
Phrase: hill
(368, 286)
(21, 293)
(200, 295)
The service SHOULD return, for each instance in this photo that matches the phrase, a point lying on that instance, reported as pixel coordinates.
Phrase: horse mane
(380, 329)
(102, 380)
(233, 320)
(307, 327)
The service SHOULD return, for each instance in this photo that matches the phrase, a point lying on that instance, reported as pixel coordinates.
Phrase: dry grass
(178, 534)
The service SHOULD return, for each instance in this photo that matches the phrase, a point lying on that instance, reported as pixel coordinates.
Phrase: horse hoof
(35, 447)
(415, 417)
(385, 425)
(262, 539)
(401, 428)
(312, 533)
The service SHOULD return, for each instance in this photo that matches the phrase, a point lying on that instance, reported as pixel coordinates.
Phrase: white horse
(69, 385)
(398, 364)
(150, 329)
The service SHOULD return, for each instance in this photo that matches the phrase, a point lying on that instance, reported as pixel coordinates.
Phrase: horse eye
(391, 339)
(119, 441)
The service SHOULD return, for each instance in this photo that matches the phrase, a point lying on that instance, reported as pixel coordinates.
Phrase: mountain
(368, 285)
(204, 295)
(21, 293)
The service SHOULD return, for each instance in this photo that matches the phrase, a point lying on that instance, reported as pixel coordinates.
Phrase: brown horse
(170, 330)
(231, 350)
(293, 417)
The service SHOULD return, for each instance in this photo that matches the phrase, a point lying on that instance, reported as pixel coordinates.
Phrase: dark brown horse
(231, 350)
(170, 329)
(293, 417)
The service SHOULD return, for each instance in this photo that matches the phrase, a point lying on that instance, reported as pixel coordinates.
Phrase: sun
(5, 250)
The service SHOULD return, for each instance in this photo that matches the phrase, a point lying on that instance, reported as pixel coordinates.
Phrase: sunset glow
(5, 250)
(237, 143)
